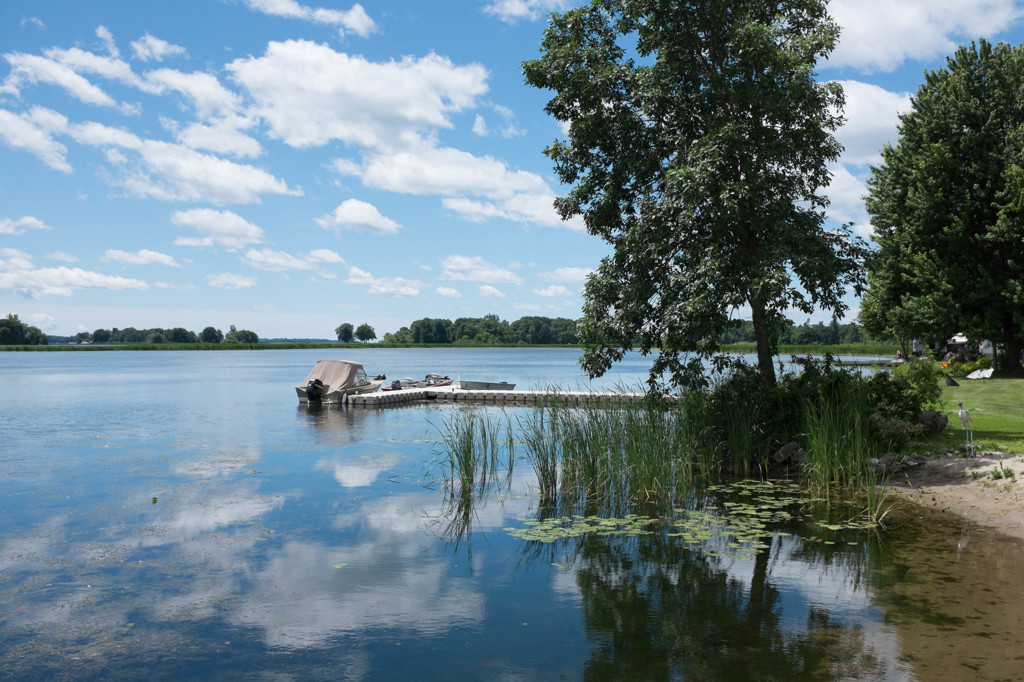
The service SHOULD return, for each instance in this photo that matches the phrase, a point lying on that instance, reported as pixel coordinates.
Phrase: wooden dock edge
(524, 398)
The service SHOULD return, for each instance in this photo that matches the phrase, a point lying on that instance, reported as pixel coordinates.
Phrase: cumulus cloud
(511, 11)
(846, 192)
(880, 35)
(384, 286)
(872, 115)
(475, 269)
(141, 257)
(221, 228)
(227, 280)
(326, 256)
(566, 275)
(487, 291)
(354, 20)
(21, 225)
(281, 261)
(147, 48)
(33, 132)
(447, 292)
(173, 172)
(309, 94)
(477, 188)
(553, 290)
(203, 90)
(62, 256)
(19, 275)
(353, 213)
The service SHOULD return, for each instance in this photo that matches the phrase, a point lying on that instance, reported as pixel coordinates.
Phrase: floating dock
(450, 394)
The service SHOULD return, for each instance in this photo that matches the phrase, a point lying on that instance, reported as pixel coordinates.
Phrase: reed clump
(621, 453)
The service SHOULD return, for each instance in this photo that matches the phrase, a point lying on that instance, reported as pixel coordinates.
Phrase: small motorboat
(432, 380)
(486, 386)
(332, 381)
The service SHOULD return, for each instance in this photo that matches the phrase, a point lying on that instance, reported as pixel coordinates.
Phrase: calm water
(173, 515)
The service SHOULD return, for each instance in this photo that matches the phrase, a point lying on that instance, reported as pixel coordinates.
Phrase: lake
(178, 515)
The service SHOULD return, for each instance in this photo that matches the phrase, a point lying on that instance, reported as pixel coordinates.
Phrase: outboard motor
(315, 391)
(396, 385)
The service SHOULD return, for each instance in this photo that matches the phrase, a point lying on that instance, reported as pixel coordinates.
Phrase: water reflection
(177, 537)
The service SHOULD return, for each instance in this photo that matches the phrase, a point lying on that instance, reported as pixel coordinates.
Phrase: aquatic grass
(838, 438)
(472, 449)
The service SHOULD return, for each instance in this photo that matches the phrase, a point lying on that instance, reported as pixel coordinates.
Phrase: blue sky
(286, 167)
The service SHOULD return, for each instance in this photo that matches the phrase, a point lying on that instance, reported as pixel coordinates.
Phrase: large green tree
(365, 332)
(698, 145)
(14, 332)
(345, 332)
(947, 202)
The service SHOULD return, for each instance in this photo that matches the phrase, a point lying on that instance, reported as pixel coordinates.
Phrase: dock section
(449, 394)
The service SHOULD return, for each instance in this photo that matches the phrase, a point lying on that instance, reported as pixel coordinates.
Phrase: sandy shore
(968, 488)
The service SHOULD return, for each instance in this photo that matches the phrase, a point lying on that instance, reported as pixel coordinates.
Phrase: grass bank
(997, 409)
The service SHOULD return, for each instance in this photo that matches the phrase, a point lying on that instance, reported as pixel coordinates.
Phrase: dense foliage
(487, 330)
(158, 335)
(698, 145)
(947, 204)
(14, 332)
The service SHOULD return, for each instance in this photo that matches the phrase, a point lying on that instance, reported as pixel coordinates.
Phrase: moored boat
(332, 381)
(486, 386)
(432, 380)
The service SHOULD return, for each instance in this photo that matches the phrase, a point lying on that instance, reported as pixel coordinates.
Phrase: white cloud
(511, 11)
(18, 275)
(141, 257)
(447, 292)
(384, 286)
(872, 115)
(480, 126)
(147, 48)
(532, 307)
(566, 275)
(104, 34)
(33, 133)
(173, 172)
(880, 35)
(221, 137)
(325, 256)
(422, 169)
(62, 256)
(309, 95)
(425, 170)
(33, 69)
(553, 290)
(226, 280)
(223, 228)
(206, 93)
(475, 269)
(487, 291)
(353, 213)
(275, 261)
(354, 20)
(21, 225)
(846, 193)
(34, 22)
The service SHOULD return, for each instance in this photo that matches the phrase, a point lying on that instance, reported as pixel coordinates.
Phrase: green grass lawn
(997, 408)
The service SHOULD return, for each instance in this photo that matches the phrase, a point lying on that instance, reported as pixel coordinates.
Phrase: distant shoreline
(846, 349)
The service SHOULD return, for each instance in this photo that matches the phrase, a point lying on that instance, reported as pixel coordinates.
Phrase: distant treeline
(491, 330)
(488, 330)
(806, 334)
(158, 335)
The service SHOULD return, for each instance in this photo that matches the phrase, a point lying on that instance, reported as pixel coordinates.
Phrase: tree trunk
(1011, 341)
(765, 360)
